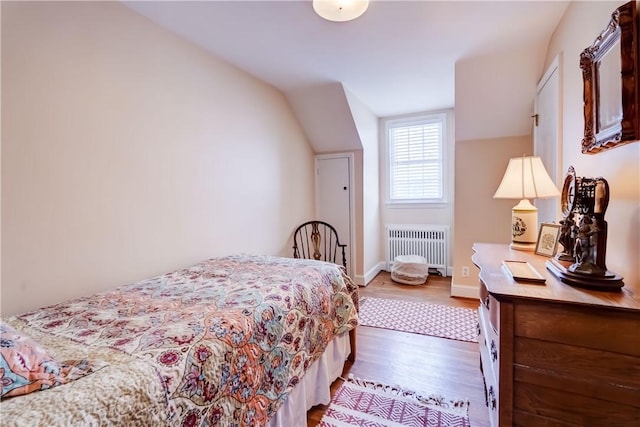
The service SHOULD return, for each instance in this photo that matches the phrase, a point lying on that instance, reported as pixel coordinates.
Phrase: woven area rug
(457, 323)
(367, 403)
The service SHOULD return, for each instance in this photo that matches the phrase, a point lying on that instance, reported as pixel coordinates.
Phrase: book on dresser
(555, 354)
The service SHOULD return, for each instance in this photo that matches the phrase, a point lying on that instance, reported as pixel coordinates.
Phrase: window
(416, 164)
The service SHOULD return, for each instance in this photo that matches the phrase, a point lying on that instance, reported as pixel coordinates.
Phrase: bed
(242, 340)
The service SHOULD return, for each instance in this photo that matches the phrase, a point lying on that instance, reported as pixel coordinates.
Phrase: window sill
(416, 205)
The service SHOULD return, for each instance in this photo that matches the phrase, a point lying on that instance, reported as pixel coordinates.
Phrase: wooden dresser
(552, 354)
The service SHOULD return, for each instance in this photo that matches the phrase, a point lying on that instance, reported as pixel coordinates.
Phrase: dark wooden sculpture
(583, 234)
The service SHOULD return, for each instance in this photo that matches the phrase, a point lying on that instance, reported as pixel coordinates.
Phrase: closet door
(547, 137)
(333, 197)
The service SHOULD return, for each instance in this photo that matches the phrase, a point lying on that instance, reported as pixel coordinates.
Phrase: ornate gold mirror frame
(610, 77)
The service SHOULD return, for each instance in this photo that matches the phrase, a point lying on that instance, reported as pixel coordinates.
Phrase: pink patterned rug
(367, 403)
(457, 323)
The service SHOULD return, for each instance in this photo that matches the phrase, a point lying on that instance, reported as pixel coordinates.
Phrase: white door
(333, 198)
(547, 137)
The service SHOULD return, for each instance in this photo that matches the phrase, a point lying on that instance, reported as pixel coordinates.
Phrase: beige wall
(577, 30)
(368, 225)
(480, 165)
(358, 170)
(325, 113)
(494, 93)
(127, 152)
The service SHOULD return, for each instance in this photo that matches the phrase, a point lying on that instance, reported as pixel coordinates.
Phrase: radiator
(429, 241)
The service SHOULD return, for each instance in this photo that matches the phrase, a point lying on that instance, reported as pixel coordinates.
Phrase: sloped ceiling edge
(324, 113)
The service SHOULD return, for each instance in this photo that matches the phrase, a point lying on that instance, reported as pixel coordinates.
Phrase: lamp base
(524, 226)
(530, 247)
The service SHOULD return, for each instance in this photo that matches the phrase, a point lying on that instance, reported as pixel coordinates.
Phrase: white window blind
(415, 159)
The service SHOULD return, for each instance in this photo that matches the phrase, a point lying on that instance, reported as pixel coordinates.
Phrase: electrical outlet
(465, 271)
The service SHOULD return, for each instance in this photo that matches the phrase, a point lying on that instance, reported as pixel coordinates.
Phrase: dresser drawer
(489, 341)
(492, 306)
(580, 326)
(489, 362)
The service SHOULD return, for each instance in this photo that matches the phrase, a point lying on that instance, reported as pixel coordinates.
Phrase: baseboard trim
(369, 275)
(465, 291)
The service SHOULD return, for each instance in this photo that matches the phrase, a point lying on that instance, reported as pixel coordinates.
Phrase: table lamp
(525, 178)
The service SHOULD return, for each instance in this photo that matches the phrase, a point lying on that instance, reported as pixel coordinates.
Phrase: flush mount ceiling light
(340, 10)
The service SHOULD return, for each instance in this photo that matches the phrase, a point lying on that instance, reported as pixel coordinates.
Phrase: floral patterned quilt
(220, 343)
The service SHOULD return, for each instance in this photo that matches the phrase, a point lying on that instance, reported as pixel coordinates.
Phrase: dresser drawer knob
(494, 351)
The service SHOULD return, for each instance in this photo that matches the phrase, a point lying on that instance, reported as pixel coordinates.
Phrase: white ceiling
(398, 58)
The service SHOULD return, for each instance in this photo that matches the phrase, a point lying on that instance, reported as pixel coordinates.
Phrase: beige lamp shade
(525, 178)
(340, 10)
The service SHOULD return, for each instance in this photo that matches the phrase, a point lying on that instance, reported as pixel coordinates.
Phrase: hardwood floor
(417, 362)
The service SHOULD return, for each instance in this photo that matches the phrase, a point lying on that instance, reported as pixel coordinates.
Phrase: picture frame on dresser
(547, 244)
